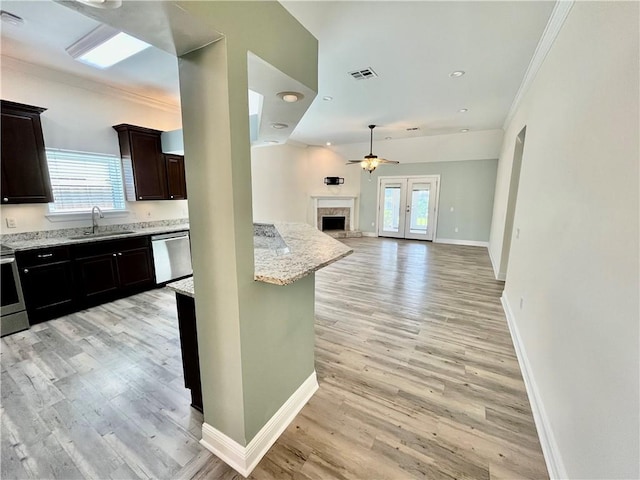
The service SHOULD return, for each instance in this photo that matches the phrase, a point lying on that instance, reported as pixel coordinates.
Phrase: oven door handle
(4, 261)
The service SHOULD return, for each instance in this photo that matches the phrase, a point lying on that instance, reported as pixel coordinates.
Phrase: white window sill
(77, 216)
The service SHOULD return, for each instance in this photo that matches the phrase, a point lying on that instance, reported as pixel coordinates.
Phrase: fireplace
(334, 223)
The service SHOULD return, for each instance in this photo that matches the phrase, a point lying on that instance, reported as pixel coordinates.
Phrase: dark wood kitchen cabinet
(143, 163)
(25, 176)
(176, 182)
(108, 270)
(47, 282)
(189, 348)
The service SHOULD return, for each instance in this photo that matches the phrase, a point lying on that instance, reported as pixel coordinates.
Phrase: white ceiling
(49, 28)
(412, 46)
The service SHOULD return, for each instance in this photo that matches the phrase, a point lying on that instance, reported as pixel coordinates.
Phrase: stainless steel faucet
(94, 219)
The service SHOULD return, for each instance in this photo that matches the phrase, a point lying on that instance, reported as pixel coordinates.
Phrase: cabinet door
(48, 290)
(135, 269)
(97, 277)
(25, 176)
(175, 177)
(148, 166)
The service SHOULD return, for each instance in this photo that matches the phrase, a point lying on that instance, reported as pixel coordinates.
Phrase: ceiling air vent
(363, 74)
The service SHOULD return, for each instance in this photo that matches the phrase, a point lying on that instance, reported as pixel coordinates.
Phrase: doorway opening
(514, 184)
(408, 206)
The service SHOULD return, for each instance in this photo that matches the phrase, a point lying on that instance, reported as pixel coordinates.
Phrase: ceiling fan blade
(353, 162)
(384, 160)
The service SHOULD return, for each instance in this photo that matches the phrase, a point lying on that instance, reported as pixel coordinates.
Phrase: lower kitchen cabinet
(113, 269)
(47, 283)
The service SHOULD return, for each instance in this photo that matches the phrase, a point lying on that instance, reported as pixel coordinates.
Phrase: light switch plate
(11, 222)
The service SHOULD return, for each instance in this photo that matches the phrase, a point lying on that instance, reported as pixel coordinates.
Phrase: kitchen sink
(101, 234)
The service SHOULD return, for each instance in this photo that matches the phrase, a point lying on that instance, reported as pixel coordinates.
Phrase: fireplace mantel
(336, 201)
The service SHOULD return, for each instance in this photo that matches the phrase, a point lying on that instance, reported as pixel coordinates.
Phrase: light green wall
(467, 186)
(256, 340)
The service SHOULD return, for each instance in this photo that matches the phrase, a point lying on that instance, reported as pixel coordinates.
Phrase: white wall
(576, 263)
(482, 145)
(79, 116)
(284, 177)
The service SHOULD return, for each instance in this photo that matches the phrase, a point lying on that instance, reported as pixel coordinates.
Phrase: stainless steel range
(13, 313)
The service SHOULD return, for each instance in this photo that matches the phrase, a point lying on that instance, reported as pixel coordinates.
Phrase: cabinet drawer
(108, 246)
(42, 256)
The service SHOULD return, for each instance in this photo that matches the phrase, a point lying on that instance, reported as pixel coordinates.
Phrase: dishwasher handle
(169, 236)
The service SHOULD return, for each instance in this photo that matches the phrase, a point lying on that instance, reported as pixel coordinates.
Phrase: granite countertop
(54, 238)
(284, 253)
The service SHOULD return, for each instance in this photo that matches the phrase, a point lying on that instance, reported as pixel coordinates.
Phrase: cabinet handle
(114, 254)
(119, 254)
(171, 196)
(5, 199)
(139, 198)
(46, 255)
(26, 270)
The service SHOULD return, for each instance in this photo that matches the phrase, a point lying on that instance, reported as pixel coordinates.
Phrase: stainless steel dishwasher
(171, 256)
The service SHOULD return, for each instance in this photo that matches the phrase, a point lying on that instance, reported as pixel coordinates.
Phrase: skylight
(105, 46)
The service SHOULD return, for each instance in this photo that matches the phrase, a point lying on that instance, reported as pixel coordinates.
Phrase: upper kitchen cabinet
(143, 164)
(176, 183)
(25, 176)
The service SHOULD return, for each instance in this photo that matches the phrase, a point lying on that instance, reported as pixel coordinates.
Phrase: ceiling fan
(371, 162)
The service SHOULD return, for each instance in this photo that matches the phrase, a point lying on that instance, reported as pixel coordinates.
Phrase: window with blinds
(81, 180)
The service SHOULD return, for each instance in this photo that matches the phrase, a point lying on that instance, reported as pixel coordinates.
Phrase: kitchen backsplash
(69, 232)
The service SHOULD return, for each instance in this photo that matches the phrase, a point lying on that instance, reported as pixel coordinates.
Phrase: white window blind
(81, 180)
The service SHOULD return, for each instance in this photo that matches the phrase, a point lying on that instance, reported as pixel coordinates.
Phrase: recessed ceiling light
(387, 138)
(327, 98)
(463, 110)
(464, 130)
(11, 19)
(328, 144)
(457, 73)
(412, 129)
(279, 126)
(102, 3)
(105, 46)
(290, 97)
(271, 142)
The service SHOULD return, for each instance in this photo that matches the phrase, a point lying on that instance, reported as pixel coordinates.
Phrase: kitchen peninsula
(283, 254)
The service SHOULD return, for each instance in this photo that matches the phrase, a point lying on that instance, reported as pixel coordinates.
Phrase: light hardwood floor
(418, 379)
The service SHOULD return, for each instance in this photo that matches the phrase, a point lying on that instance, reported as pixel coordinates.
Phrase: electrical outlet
(451, 209)
(521, 302)
(517, 233)
(373, 224)
(149, 214)
(11, 222)
(455, 229)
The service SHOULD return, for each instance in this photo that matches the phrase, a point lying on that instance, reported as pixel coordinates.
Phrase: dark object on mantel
(333, 180)
(25, 175)
(189, 348)
(148, 173)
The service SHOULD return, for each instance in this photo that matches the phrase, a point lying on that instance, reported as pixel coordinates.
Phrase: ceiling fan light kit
(370, 162)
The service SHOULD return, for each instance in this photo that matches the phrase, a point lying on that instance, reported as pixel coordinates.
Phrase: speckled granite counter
(285, 254)
(53, 238)
(309, 250)
(183, 287)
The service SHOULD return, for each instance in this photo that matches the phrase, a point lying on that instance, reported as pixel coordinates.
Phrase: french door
(407, 207)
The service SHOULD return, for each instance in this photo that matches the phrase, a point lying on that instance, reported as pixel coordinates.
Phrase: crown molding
(556, 20)
(67, 78)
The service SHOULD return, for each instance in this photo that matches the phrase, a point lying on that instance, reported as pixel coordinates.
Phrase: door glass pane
(419, 209)
(391, 219)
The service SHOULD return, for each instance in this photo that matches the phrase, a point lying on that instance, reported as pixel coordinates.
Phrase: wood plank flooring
(418, 379)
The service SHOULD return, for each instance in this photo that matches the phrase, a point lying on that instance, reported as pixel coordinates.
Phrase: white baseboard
(550, 449)
(454, 241)
(369, 234)
(499, 276)
(245, 459)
